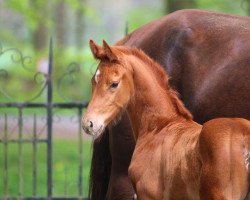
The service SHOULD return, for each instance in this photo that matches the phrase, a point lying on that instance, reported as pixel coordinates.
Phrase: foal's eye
(114, 85)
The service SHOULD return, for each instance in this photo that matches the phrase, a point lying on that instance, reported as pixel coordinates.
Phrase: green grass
(65, 168)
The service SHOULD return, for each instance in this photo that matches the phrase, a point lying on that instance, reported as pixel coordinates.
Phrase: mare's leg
(224, 173)
(121, 148)
(120, 188)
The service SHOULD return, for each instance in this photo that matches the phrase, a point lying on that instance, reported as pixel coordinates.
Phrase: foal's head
(112, 87)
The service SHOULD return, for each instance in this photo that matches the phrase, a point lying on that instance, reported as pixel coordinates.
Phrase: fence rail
(20, 140)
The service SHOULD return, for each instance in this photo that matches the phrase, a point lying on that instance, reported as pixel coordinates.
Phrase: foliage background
(29, 24)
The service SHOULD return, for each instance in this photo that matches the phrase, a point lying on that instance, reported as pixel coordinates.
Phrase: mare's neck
(151, 107)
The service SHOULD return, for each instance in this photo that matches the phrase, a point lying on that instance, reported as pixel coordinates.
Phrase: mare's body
(174, 157)
(206, 54)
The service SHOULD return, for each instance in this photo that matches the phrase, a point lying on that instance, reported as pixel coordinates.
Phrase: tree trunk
(173, 5)
(1, 10)
(247, 2)
(79, 29)
(61, 23)
(39, 36)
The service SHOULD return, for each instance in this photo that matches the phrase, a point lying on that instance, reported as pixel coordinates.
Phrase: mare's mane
(162, 78)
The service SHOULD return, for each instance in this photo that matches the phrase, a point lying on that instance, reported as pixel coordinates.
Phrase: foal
(174, 157)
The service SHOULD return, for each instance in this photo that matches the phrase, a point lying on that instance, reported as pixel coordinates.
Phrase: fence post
(49, 122)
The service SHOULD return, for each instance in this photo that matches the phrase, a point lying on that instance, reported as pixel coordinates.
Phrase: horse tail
(100, 168)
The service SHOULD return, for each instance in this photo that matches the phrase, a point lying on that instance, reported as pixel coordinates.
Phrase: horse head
(112, 87)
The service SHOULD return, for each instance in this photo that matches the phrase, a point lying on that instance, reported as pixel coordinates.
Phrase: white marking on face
(247, 158)
(97, 74)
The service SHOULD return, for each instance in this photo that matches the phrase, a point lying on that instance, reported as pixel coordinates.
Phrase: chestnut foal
(174, 157)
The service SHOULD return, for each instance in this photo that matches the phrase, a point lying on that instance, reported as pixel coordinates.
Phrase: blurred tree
(60, 22)
(35, 14)
(39, 34)
(80, 23)
(43, 17)
(1, 9)
(173, 5)
(245, 4)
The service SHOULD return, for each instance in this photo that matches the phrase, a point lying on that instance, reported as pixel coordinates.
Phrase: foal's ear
(108, 51)
(97, 51)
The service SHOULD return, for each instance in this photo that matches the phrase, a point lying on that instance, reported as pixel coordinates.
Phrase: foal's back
(225, 155)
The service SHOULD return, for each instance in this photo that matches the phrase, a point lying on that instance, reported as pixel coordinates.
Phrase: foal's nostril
(90, 124)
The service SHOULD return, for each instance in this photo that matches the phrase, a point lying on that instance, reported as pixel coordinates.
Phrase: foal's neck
(153, 105)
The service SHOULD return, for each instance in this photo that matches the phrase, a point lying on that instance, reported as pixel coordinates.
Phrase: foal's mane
(162, 78)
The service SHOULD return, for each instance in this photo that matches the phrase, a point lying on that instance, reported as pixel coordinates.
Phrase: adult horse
(206, 55)
(174, 157)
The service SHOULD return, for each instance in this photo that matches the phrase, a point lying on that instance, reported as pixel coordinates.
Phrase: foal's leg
(224, 173)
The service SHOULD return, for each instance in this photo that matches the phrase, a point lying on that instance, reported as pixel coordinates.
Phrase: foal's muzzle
(92, 127)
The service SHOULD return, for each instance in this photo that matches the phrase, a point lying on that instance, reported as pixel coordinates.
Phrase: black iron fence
(14, 132)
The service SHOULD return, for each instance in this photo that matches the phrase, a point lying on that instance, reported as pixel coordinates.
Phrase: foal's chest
(166, 168)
